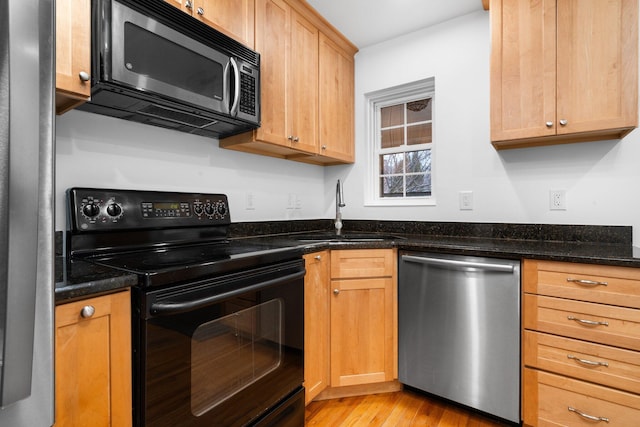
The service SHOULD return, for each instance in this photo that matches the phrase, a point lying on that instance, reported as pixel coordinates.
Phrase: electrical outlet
(291, 201)
(250, 202)
(557, 200)
(466, 200)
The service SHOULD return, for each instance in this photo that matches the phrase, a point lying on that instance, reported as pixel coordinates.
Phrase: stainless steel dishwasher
(459, 330)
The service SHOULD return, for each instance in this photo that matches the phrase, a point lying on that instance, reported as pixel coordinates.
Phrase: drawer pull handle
(588, 322)
(587, 416)
(586, 282)
(586, 362)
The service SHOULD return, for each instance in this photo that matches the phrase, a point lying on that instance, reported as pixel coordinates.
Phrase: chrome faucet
(339, 204)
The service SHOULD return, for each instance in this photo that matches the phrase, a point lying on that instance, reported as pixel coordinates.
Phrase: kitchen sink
(345, 237)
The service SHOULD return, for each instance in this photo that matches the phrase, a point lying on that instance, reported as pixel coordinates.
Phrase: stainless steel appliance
(26, 212)
(459, 330)
(154, 64)
(218, 323)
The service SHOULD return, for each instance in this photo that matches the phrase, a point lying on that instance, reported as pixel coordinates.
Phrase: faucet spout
(339, 204)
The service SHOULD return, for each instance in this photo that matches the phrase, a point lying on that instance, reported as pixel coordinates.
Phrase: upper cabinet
(234, 18)
(563, 71)
(307, 80)
(336, 102)
(73, 53)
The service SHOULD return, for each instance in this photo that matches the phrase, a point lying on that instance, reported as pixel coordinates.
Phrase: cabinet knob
(87, 311)
(336, 291)
(549, 124)
(290, 137)
(188, 4)
(200, 11)
(84, 76)
(296, 139)
(563, 122)
(318, 257)
(324, 147)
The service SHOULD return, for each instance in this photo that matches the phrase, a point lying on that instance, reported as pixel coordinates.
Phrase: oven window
(247, 343)
(150, 55)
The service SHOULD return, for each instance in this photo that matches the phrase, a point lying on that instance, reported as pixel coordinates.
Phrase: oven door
(225, 352)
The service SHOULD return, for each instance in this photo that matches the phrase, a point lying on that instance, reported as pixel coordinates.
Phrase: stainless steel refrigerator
(26, 212)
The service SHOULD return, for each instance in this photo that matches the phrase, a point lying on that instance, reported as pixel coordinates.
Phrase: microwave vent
(176, 116)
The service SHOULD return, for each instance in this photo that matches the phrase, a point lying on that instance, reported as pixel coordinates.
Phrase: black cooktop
(163, 237)
(179, 264)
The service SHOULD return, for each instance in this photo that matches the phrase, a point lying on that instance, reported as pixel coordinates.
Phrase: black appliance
(218, 324)
(154, 64)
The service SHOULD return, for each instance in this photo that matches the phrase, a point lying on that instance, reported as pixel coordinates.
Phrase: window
(400, 139)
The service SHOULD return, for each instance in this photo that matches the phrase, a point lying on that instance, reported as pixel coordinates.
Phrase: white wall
(103, 152)
(601, 179)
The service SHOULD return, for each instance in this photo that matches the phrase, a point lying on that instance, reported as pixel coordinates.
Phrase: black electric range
(217, 324)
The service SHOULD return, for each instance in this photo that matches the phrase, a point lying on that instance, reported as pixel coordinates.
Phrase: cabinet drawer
(586, 282)
(600, 323)
(554, 400)
(356, 263)
(587, 361)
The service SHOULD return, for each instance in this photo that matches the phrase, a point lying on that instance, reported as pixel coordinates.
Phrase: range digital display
(165, 210)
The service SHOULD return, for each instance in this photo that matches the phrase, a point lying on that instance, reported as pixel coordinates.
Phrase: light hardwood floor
(402, 408)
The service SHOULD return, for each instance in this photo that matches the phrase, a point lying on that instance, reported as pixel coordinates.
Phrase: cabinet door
(235, 18)
(73, 53)
(597, 65)
(272, 41)
(336, 97)
(93, 362)
(362, 331)
(523, 69)
(303, 89)
(316, 324)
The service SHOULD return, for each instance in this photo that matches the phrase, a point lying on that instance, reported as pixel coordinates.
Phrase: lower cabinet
(350, 323)
(363, 316)
(581, 344)
(93, 362)
(316, 324)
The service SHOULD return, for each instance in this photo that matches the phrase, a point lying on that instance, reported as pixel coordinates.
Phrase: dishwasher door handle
(507, 268)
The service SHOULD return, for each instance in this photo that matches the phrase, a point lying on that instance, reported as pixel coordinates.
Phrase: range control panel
(93, 209)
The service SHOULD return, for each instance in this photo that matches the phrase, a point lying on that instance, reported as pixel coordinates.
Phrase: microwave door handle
(236, 96)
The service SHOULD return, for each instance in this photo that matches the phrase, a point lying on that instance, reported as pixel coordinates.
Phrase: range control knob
(91, 210)
(197, 208)
(208, 209)
(221, 209)
(114, 209)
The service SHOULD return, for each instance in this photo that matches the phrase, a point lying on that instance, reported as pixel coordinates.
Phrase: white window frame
(374, 102)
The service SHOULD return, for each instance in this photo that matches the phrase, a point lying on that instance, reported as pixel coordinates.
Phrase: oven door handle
(166, 308)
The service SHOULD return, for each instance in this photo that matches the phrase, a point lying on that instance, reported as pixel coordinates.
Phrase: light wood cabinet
(93, 362)
(235, 18)
(563, 71)
(581, 343)
(316, 324)
(306, 87)
(363, 316)
(336, 107)
(73, 53)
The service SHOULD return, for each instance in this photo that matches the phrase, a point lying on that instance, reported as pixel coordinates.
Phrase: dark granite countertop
(77, 279)
(591, 253)
(610, 245)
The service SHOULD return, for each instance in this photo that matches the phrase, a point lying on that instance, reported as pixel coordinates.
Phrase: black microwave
(154, 64)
